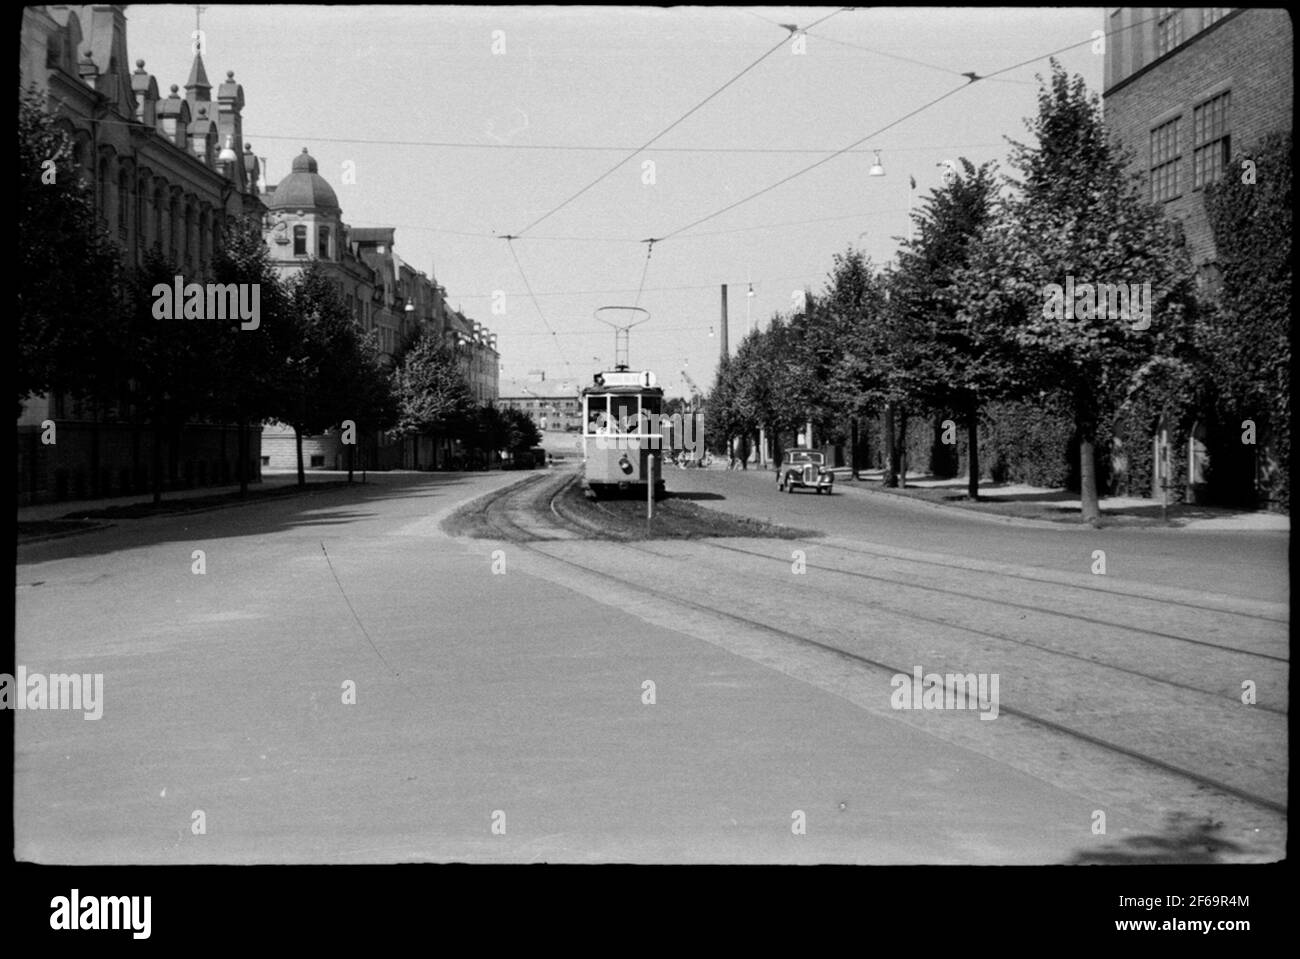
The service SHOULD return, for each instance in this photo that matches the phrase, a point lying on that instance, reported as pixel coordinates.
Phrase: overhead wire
(972, 79)
(665, 130)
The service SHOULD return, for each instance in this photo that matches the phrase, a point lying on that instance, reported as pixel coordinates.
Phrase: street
(345, 682)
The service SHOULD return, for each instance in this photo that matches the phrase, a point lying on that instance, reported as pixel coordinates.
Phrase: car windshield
(799, 459)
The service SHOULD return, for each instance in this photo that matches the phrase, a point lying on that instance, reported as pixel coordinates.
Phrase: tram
(622, 449)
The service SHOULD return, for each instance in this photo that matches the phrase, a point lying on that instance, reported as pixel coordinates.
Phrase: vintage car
(805, 469)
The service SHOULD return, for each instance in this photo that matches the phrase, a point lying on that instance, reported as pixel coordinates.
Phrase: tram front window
(624, 410)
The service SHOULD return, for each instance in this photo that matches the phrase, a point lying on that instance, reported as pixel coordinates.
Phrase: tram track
(500, 512)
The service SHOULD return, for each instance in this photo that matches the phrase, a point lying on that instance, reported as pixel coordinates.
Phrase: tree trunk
(96, 490)
(973, 450)
(352, 455)
(853, 447)
(243, 457)
(297, 440)
(901, 447)
(1090, 508)
(157, 457)
(891, 451)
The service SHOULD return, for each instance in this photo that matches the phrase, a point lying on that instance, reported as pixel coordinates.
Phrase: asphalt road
(1250, 564)
(503, 716)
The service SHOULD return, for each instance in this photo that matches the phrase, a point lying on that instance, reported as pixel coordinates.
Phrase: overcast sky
(443, 134)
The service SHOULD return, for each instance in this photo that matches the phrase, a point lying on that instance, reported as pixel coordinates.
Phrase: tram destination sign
(644, 378)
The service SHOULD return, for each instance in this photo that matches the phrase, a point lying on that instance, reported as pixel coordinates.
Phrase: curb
(32, 540)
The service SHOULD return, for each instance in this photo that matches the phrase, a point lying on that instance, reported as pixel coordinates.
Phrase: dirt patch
(675, 517)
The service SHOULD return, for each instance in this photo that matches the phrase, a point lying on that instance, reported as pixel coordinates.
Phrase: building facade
(166, 173)
(1186, 90)
(388, 296)
(553, 405)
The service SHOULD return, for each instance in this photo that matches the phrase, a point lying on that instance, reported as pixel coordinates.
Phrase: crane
(695, 390)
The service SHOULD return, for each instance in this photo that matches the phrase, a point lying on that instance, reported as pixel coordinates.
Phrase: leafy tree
(172, 366)
(1246, 336)
(430, 389)
(247, 359)
(368, 387)
(70, 285)
(956, 354)
(726, 419)
(853, 304)
(318, 348)
(1078, 216)
(521, 432)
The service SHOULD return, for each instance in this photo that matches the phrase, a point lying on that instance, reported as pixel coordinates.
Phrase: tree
(1246, 335)
(521, 432)
(172, 367)
(1078, 217)
(957, 359)
(318, 348)
(248, 358)
(371, 404)
(858, 380)
(430, 389)
(70, 285)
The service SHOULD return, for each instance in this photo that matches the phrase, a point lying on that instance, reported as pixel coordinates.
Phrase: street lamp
(876, 168)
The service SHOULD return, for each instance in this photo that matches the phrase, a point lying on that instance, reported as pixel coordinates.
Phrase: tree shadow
(1184, 840)
(258, 516)
(694, 496)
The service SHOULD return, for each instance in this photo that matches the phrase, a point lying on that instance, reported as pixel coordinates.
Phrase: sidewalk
(1037, 505)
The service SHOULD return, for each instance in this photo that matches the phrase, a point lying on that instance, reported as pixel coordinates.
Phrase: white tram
(622, 448)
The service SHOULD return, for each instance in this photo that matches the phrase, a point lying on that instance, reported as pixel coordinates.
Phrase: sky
(461, 125)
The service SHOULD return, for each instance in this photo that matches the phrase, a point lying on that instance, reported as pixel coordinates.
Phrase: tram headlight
(625, 464)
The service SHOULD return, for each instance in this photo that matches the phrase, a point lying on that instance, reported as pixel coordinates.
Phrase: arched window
(300, 240)
(323, 242)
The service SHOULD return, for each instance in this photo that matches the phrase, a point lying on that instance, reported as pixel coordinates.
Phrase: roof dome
(304, 188)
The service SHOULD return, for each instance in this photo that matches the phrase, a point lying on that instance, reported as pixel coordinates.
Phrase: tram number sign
(644, 378)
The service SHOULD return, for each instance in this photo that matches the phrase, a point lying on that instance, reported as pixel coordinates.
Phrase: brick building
(1186, 89)
(166, 172)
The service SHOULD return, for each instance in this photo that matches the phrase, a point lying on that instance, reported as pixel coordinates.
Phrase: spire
(197, 88)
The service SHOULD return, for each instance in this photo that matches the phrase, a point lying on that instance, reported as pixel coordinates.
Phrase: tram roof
(622, 390)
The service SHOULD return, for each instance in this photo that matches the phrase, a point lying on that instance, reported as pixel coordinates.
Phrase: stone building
(166, 171)
(388, 296)
(1186, 89)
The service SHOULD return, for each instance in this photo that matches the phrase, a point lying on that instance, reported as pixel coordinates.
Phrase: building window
(1211, 16)
(1164, 161)
(266, 461)
(323, 242)
(300, 240)
(1169, 30)
(317, 460)
(1211, 141)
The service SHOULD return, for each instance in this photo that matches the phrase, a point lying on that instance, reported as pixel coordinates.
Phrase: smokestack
(722, 346)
